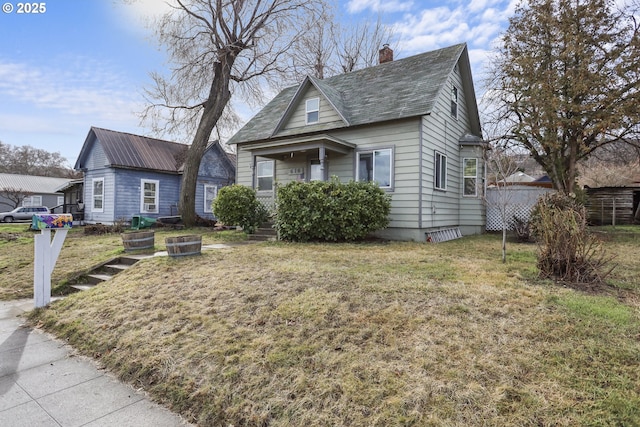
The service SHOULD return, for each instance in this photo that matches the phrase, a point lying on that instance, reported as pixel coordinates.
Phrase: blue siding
(128, 191)
(122, 187)
(214, 170)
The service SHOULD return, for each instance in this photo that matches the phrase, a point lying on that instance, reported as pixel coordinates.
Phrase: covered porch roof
(275, 149)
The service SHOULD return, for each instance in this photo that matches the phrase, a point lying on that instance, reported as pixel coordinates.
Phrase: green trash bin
(138, 222)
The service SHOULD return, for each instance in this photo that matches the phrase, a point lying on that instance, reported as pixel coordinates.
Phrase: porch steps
(105, 272)
(265, 233)
(444, 235)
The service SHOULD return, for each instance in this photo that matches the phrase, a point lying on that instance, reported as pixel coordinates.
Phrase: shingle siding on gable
(97, 158)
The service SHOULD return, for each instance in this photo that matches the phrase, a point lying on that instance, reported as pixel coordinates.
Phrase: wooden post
(46, 253)
(613, 217)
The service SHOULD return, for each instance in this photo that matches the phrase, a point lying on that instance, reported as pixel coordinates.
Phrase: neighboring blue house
(127, 175)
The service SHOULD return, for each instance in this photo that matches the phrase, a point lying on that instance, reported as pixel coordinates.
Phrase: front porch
(312, 158)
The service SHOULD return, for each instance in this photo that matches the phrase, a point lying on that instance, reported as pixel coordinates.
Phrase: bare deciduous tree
(329, 48)
(501, 163)
(27, 160)
(219, 48)
(14, 196)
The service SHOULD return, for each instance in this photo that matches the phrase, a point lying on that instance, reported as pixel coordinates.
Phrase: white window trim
(437, 172)
(93, 195)
(156, 198)
(60, 200)
(272, 176)
(465, 177)
(29, 201)
(307, 111)
(391, 166)
(207, 206)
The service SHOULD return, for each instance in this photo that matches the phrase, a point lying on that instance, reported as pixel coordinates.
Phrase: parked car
(23, 213)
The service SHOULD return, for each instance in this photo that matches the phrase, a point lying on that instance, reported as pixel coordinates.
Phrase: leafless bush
(568, 252)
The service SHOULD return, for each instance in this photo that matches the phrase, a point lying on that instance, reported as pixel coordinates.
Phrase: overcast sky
(84, 63)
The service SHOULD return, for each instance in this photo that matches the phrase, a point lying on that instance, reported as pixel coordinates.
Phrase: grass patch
(372, 334)
(79, 254)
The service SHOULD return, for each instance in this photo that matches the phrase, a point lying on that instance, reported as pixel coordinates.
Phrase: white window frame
(156, 196)
(30, 201)
(60, 200)
(467, 177)
(310, 110)
(439, 171)
(373, 154)
(207, 206)
(272, 176)
(454, 101)
(95, 197)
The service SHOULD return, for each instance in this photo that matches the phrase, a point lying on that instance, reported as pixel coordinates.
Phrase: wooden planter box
(183, 245)
(139, 240)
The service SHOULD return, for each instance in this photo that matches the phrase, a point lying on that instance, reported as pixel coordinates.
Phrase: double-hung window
(264, 175)
(312, 110)
(470, 177)
(97, 202)
(210, 193)
(149, 190)
(376, 165)
(440, 171)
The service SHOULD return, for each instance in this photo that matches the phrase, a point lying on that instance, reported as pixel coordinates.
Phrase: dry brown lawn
(376, 334)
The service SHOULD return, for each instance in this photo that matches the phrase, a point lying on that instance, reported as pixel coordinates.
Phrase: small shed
(613, 205)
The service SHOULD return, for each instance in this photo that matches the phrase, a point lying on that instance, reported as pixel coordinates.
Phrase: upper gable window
(312, 110)
(454, 102)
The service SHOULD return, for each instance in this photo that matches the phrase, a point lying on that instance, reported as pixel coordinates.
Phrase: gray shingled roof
(31, 183)
(399, 89)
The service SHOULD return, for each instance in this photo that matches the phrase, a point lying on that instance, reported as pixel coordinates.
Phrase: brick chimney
(386, 54)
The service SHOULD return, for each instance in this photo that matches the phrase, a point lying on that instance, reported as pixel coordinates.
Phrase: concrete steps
(105, 272)
(265, 233)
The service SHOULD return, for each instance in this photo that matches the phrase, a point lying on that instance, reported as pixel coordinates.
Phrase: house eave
(303, 143)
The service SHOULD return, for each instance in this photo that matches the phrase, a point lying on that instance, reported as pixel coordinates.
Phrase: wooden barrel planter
(139, 240)
(183, 245)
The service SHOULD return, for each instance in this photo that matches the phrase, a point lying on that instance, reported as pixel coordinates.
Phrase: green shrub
(238, 205)
(331, 211)
(568, 252)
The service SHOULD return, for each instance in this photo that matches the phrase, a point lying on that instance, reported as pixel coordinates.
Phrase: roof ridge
(138, 135)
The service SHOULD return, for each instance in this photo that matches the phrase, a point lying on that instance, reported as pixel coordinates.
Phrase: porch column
(322, 154)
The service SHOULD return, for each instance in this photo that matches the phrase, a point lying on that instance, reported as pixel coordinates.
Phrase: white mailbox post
(46, 252)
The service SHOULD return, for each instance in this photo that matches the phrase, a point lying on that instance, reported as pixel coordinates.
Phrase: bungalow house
(29, 190)
(127, 175)
(411, 125)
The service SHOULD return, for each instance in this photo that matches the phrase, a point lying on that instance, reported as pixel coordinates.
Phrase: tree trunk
(219, 96)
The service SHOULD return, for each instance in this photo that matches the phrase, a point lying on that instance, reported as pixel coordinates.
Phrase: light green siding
(297, 119)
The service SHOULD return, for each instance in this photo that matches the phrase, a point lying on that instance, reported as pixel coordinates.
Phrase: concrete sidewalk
(42, 383)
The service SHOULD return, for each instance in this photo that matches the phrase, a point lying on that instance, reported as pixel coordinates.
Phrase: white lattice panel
(516, 201)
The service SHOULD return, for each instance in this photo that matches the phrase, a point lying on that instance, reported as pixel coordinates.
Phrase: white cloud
(91, 90)
(357, 6)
